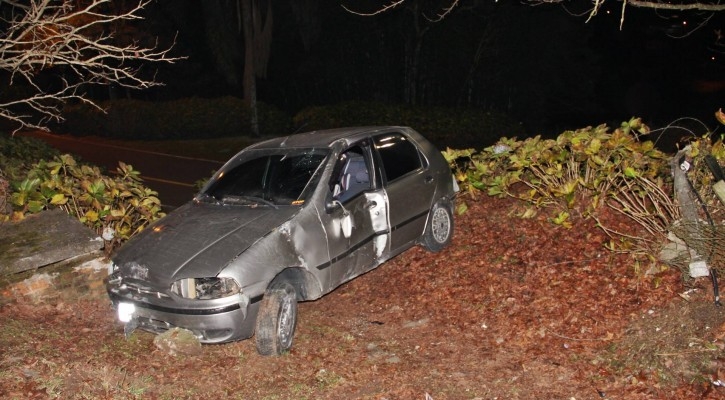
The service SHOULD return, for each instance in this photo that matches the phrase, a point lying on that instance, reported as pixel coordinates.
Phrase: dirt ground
(514, 309)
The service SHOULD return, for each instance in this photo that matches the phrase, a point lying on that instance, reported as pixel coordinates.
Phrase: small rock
(178, 341)
(414, 324)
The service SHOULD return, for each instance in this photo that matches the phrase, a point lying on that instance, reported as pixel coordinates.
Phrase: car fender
(287, 247)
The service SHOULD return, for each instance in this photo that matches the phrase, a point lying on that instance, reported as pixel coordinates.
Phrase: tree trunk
(689, 226)
(222, 39)
(413, 48)
(257, 45)
(250, 87)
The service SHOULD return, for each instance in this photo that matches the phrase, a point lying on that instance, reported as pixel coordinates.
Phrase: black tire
(439, 232)
(276, 320)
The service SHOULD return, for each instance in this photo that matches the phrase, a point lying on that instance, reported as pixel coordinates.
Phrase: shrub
(581, 171)
(572, 172)
(190, 118)
(452, 127)
(115, 207)
(18, 154)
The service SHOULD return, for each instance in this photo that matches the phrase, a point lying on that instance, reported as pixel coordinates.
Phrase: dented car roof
(323, 138)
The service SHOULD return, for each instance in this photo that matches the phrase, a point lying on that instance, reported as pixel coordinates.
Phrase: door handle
(370, 204)
(429, 179)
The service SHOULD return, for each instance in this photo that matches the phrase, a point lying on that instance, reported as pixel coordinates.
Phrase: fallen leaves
(514, 308)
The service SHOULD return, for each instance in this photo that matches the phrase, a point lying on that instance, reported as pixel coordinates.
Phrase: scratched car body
(285, 220)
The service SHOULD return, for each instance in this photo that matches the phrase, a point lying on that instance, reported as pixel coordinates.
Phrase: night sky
(542, 65)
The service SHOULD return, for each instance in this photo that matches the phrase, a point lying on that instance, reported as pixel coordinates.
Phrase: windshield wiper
(248, 200)
(207, 198)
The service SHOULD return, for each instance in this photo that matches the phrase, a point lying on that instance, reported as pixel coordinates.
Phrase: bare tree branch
(77, 38)
(699, 25)
(381, 10)
(685, 5)
(440, 15)
(444, 12)
(714, 6)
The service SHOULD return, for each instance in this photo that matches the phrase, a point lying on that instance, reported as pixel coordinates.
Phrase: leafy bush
(115, 207)
(571, 172)
(18, 154)
(190, 118)
(451, 127)
(581, 171)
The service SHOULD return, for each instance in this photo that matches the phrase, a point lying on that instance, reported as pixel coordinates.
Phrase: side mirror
(346, 222)
(332, 205)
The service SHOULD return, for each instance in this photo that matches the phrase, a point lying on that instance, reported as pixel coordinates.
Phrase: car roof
(324, 138)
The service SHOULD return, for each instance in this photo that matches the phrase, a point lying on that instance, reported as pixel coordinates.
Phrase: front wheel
(439, 231)
(276, 320)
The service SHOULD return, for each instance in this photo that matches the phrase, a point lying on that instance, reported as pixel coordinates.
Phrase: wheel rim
(286, 323)
(440, 225)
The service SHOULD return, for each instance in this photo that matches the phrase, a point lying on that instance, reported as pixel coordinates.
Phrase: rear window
(398, 155)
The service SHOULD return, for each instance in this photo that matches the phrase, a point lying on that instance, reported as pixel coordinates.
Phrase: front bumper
(212, 321)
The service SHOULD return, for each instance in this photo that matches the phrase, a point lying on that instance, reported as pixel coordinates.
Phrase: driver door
(358, 228)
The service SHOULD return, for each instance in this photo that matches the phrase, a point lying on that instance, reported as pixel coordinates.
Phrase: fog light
(125, 312)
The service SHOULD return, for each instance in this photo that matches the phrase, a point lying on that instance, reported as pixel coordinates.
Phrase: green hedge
(18, 154)
(196, 118)
(446, 127)
(189, 118)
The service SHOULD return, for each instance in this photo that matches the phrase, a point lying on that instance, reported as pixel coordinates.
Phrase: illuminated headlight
(205, 288)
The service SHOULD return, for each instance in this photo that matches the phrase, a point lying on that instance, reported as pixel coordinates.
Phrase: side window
(398, 155)
(351, 175)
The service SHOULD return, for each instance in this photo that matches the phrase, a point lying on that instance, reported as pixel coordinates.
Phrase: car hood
(196, 240)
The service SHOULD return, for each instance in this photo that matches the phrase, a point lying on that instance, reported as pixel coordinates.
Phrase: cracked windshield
(267, 179)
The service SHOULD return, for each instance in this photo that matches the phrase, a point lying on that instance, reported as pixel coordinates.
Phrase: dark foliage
(18, 154)
(446, 127)
(188, 118)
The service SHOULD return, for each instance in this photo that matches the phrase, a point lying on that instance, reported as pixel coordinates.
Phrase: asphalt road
(173, 177)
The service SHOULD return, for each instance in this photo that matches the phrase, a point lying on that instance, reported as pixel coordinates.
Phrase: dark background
(545, 66)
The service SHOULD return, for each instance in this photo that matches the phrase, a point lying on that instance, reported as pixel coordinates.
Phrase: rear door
(409, 187)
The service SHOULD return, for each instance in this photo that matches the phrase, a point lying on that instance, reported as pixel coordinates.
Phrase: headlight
(205, 288)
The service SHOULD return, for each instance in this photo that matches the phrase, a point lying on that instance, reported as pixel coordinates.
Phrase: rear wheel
(276, 320)
(439, 231)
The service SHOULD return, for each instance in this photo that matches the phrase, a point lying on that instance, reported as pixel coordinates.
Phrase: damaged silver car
(285, 220)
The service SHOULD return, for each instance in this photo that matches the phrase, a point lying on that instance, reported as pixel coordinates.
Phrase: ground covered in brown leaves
(514, 309)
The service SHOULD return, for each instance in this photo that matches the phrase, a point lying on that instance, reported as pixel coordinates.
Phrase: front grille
(134, 289)
(142, 290)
